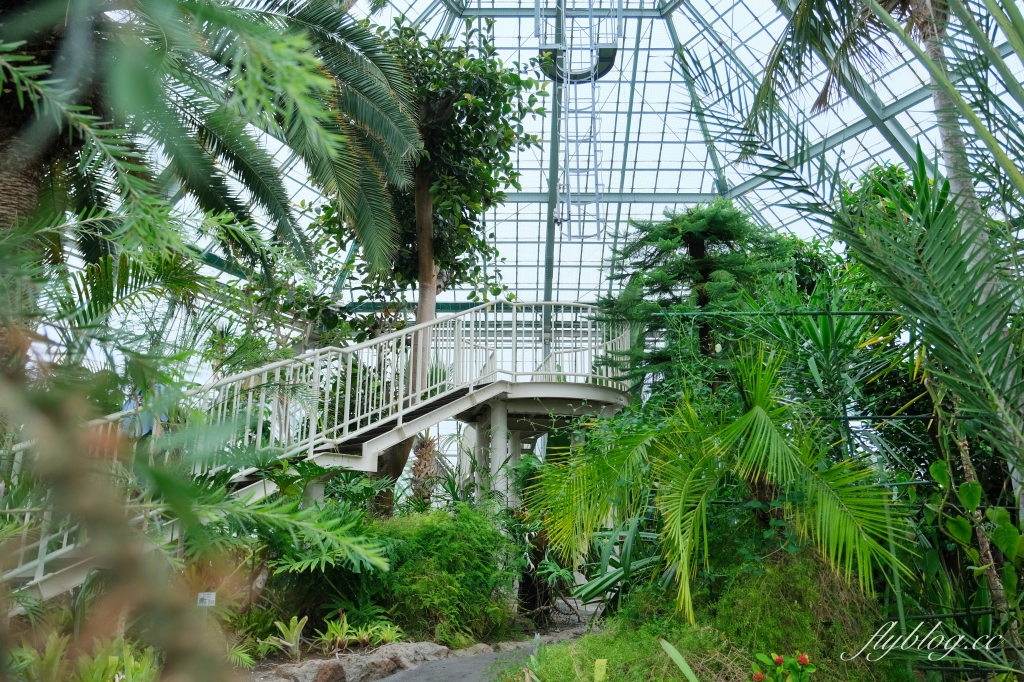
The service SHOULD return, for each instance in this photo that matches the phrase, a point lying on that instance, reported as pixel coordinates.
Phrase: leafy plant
(48, 665)
(694, 455)
(678, 659)
(388, 633)
(337, 635)
(365, 634)
(450, 574)
(290, 640)
(240, 652)
(783, 668)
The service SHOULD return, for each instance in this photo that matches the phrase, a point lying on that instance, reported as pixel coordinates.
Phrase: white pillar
(515, 446)
(499, 435)
(314, 492)
(467, 450)
(480, 450)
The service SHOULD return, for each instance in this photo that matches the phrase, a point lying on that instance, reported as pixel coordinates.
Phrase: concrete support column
(480, 450)
(467, 454)
(499, 437)
(314, 492)
(515, 447)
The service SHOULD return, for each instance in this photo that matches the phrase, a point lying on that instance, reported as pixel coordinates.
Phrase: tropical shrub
(450, 577)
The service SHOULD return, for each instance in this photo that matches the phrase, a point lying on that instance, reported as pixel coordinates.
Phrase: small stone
(475, 650)
(513, 646)
(328, 670)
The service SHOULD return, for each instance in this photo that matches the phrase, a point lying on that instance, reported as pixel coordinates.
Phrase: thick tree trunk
(391, 463)
(931, 18)
(426, 308)
(21, 176)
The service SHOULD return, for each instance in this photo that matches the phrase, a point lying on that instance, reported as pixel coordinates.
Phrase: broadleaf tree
(471, 109)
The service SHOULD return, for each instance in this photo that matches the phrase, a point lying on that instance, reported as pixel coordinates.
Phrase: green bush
(450, 577)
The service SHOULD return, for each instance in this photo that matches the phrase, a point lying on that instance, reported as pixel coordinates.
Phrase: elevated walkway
(512, 370)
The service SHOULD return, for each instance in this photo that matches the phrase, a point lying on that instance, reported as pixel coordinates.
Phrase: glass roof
(654, 153)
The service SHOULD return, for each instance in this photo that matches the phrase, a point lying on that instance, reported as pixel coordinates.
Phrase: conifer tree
(699, 259)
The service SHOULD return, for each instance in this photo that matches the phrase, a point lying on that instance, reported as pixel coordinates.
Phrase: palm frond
(762, 448)
(847, 514)
(689, 471)
(933, 261)
(581, 494)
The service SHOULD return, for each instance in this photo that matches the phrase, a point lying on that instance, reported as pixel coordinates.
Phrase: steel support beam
(622, 197)
(894, 133)
(552, 198)
(698, 109)
(530, 13)
(625, 151)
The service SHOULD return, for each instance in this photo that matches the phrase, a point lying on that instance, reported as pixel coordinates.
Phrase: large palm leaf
(193, 84)
(595, 486)
(689, 470)
(963, 305)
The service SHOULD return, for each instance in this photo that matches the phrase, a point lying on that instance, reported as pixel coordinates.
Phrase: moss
(800, 604)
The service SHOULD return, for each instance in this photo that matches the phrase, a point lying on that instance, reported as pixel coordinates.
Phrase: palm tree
(688, 461)
(851, 38)
(130, 106)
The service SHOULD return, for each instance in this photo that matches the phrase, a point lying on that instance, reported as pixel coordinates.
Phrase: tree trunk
(932, 18)
(21, 176)
(698, 250)
(426, 308)
(391, 462)
(995, 583)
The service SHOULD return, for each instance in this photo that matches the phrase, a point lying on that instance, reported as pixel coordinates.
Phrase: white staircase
(339, 407)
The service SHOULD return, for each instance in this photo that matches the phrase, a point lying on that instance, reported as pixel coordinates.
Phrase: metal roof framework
(659, 151)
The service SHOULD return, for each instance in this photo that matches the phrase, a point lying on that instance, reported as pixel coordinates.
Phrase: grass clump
(634, 654)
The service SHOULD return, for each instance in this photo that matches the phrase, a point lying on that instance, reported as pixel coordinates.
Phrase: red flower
(803, 660)
(758, 677)
(778, 660)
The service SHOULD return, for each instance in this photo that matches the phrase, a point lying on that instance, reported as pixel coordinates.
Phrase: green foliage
(678, 659)
(226, 74)
(336, 636)
(470, 112)
(927, 257)
(753, 446)
(784, 668)
(699, 259)
(290, 639)
(387, 633)
(110, 660)
(450, 577)
(634, 654)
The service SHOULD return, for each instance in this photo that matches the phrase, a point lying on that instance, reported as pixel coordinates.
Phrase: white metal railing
(330, 395)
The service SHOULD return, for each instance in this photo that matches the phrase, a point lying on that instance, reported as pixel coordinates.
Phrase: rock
(327, 670)
(563, 635)
(474, 650)
(513, 646)
(391, 658)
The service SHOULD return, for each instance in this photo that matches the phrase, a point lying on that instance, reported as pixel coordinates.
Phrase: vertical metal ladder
(586, 34)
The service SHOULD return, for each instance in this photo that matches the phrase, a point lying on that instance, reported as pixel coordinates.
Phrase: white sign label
(207, 599)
